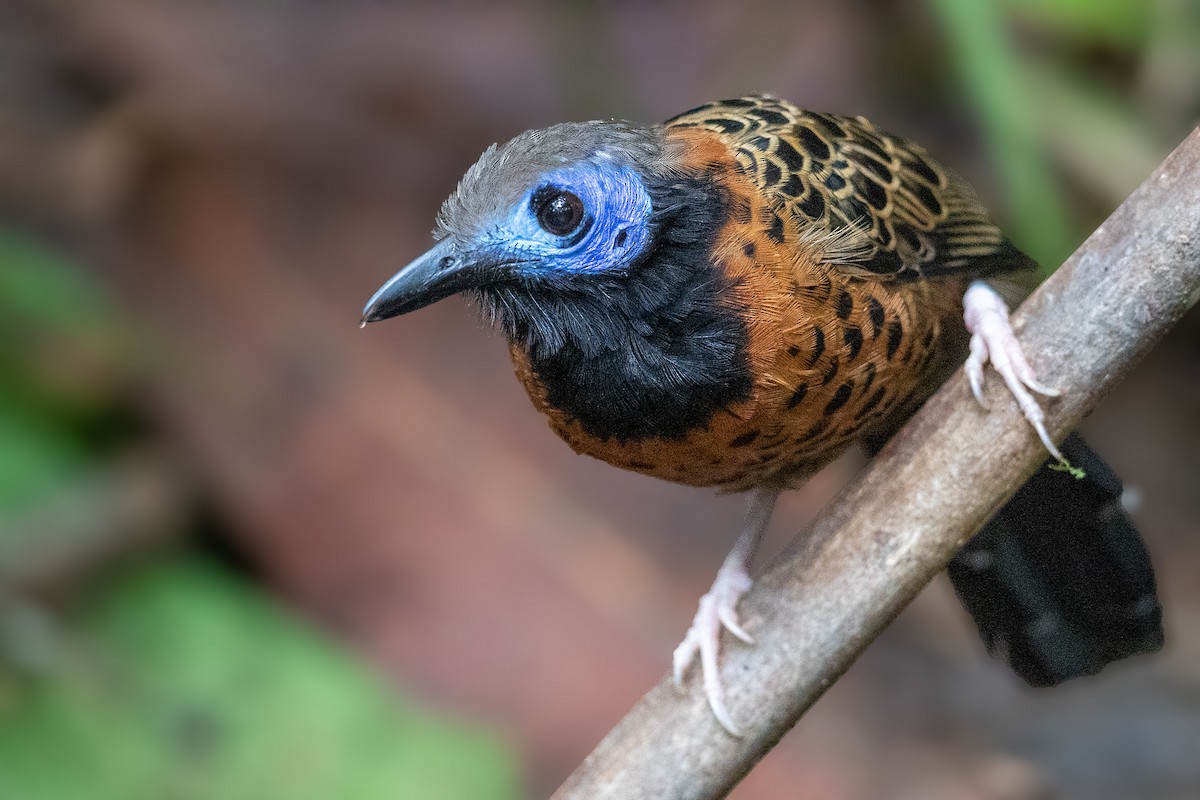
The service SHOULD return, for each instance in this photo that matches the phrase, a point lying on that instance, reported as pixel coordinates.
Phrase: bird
(735, 296)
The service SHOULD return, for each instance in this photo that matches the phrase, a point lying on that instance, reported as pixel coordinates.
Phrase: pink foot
(718, 609)
(992, 339)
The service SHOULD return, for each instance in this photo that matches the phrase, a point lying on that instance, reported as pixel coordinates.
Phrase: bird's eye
(558, 211)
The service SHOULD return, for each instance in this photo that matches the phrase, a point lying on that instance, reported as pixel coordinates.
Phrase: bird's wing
(880, 205)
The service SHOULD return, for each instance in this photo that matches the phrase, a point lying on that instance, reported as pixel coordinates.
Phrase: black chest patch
(657, 387)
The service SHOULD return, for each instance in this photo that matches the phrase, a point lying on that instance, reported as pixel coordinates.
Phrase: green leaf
(46, 308)
(36, 457)
(37, 287)
(995, 84)
(1118, 22)
(183, 684)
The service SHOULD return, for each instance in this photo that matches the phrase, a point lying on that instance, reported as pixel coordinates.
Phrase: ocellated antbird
(733, 297)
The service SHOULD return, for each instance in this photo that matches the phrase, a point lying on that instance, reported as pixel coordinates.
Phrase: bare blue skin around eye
(617, 205)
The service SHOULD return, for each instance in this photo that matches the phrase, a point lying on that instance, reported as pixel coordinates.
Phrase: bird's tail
(1059, 581)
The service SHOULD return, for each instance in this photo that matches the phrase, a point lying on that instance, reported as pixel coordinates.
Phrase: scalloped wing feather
(870, 203)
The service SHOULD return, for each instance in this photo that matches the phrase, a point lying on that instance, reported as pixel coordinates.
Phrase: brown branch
(898, 524)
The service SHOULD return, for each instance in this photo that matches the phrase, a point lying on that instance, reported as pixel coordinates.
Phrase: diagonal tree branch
(934, 485)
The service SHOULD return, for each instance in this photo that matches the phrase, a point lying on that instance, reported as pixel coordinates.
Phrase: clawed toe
(718, 609)
(993, 340)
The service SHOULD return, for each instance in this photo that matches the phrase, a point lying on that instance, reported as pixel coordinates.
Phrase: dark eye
(558, 211)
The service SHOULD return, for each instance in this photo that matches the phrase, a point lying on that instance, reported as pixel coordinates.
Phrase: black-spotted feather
(878, 203)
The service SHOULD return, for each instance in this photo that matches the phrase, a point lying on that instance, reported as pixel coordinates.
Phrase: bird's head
(564, 211)
(593, 244)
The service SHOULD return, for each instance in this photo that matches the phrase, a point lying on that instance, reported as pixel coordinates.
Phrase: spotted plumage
(870, 286)
(733, 297)
(902, 214)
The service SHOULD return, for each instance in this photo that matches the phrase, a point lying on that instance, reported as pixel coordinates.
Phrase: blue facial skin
(613, 232)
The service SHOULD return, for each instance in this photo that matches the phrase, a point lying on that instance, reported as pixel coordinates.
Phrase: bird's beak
(438, 274)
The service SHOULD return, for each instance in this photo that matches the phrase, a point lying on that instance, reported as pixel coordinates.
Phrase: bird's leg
(718, 608)
(992, 339)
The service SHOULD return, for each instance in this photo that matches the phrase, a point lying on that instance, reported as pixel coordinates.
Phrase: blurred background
(250, 551)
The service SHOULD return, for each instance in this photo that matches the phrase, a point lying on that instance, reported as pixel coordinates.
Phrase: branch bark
(932, 488)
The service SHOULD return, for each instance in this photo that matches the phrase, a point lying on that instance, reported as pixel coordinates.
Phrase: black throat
(653, 352)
